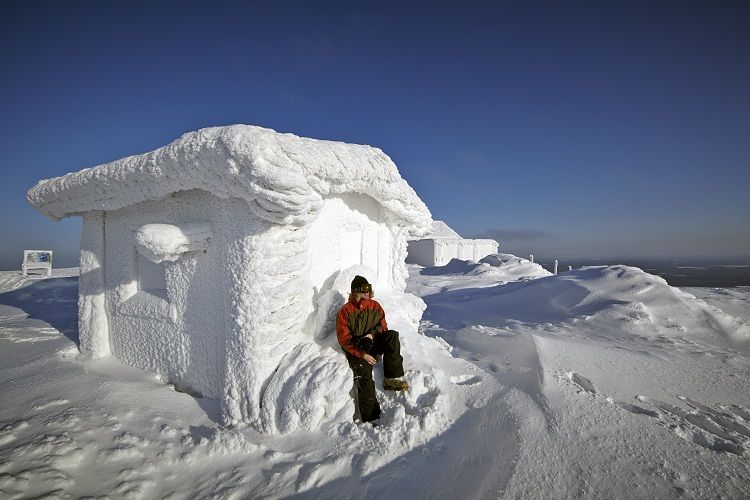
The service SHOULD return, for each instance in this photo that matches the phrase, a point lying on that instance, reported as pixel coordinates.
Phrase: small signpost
(37, 259)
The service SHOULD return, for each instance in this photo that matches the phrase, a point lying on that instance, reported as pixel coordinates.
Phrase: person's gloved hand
(366, 343)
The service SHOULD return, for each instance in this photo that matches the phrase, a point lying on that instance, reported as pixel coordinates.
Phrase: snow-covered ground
(599, 382)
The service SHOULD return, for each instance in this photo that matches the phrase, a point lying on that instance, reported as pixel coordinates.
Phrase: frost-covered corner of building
(208, 261)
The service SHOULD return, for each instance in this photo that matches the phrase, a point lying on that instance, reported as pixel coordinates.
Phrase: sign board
(37, 259)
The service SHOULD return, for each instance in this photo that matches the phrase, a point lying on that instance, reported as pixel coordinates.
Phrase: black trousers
(388, 345)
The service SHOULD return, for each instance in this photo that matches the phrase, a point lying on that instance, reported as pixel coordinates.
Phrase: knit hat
(360, 284)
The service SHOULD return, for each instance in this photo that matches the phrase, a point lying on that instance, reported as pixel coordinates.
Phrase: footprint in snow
(51, 404)
(582, 382)
(740, 412)
(722, 429)
(8, 433)
(637, 410)
(466, 379)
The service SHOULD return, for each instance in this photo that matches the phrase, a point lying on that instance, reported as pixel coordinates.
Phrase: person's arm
(345, 336)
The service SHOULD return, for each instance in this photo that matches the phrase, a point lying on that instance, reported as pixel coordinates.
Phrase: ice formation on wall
(213, 261)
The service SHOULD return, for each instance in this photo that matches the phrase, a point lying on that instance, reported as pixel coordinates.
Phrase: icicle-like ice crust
(282, 176)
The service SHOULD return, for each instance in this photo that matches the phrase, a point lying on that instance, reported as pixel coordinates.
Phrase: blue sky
(570, 129)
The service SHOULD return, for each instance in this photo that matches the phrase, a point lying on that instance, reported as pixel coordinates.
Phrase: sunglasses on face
(363, 289)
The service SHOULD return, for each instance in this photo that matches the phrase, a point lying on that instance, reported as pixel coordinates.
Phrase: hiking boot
(395, 384)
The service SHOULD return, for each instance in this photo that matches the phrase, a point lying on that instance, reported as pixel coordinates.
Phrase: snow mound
(503, 266)
(515, 268)
(310, 386)
(592, 296)
(457, 274)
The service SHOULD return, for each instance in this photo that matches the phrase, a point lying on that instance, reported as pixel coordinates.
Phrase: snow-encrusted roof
(282, 176)
(440, 229)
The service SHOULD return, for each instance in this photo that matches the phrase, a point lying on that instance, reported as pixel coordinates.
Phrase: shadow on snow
(52, 300)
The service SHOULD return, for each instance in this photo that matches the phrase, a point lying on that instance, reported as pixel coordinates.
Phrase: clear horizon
(572, 131)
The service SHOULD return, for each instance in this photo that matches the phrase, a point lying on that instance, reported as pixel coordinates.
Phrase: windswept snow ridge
(586, 297)
(492, 270)
(622, 386)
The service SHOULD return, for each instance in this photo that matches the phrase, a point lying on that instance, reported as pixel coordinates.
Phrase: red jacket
(359, 318)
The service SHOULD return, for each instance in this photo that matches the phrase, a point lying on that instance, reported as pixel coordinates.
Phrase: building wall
(439, 251)
(223, 322)
(421, 252)
(93, 325)
(284, 269)
(350, 230)
(483, 248)
(170, 317)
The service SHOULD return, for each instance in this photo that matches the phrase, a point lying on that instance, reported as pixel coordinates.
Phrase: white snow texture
(283, 177)
(209, 260)
(160, 242)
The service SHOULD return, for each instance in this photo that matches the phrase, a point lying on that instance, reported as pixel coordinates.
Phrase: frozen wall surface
(171, 317)
(215, 260)
(351, 230)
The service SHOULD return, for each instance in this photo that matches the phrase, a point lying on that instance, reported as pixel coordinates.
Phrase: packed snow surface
(601, 382)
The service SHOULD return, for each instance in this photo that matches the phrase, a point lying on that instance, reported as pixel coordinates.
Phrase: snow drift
(587, 297)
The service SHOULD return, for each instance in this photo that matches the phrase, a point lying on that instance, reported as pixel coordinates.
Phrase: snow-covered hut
(204, 259)
(443, 244)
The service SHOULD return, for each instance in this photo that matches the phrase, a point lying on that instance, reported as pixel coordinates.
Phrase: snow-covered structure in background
(443, 244)
(205, 260)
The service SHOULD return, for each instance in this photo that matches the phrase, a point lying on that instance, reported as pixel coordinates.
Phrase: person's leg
(369, 409)
(389, 346)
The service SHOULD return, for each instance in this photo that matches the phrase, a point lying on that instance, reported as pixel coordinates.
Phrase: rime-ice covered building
(205, 261)
(443, 244)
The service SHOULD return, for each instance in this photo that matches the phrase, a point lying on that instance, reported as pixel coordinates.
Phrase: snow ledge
(167, 242)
